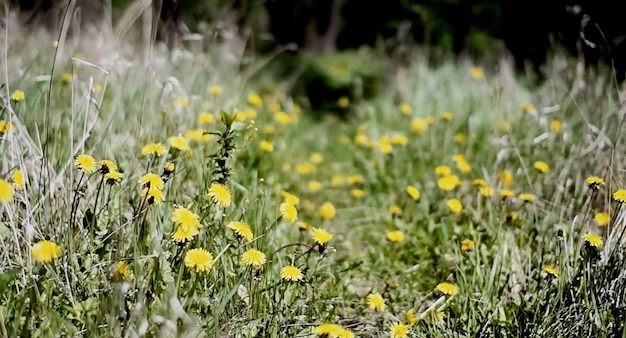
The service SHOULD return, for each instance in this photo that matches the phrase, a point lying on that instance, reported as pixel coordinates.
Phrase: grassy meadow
(173, 194)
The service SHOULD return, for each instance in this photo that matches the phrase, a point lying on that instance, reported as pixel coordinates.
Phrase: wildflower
(185, 232)
(85, 163)
(376, 302)
(45, 251)
(180, 143)
(594, 182)
(156, 149)
(181, 102)
(447, 116)
(328, 330)
(343, 102)
(220, 195)
(152, 195)
(443, 171)
(385, 148)
(5, 127)
(152, 181)
(460, 139)
(511, 216)
(305, 168)
(528, 108)
(66, 78)
(113, 177)
(288, 212)
(205, 118)
(196, 135)
(620, 196)
(395, 236)
(419, 125)
(526, 197)
(337, 180)
(463, 165)
(289, 198)
(291, 273)
(479, 182)
(168, 168)
(357, 193)
(321, 236)
(394, 210)
(593, 240)
(241, 229)
(354, 179)
(97, 87)
(18, 96)
(455, 205)
(410, 317)
(399, 139)
(266, 146)
(551, 270)
(446, 288)
(303, 226)
(327, 210)
(504, 193)
(18, 179)
(486, 191)
(506, 177)
(107, 166)
(122, 272)
(477, 73)
(602, 218)
(282, 117)
(467, 245)
(182, 215)
(556, 126)
(317, 158)
(448, 183)
(199, 259)
(254, 258)
(413, 192)
(314, 186)
(215, 90)
(255, 99)
(541, 166)
(406, 108)
(399, 330)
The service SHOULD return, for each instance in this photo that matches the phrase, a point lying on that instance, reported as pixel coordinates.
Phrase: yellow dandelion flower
(620, 196)
(487, 191)
(205, 118)
(122, 272)
(455, 205)
(214, 90)
(443, 171)
(511, 216)
(291, 273)
(506, 177)
(315, 186)
(255, 99)
(66, 78)
(376, 302)
(317, 158)
(321, 236)
(528, 108)
(153, 195)
(448, 183)
(107, 166)
(602, 218)
(526, 197)
(551, 270)
(113, 177)
(199, 260)
(343, 102)
(394, 210)
(541, 167)
(305, 168)
(327, 210)
(398, 330)
(18, 179)
(303, 226)
(179, 142)
(594, 182)
(357, 193)
(266, 146)
(181, 102)
(156, 149)
(467, 245)
(6, 192)
(241, 229)
(85, 163)
(399, 139)
(282, 118)
(556, 126)
(479, 182)
(328, 330)
(18, 96)
(410, 317)
(447, 116)
(289, 198)
(45, 251)
(460, 138)
(593, 240)
(220, 195)
(477, 73)
(288, 212)
(413, 192)
(395, 236)
(5, 127)
(168, 168)
(196, 135)
(337, 180)
(185, 232)
(354, 179)
(182, 215)
(253, 257)
(419, 125)
(406, 108)
(152, 181)
(504, 193)
(446, 288)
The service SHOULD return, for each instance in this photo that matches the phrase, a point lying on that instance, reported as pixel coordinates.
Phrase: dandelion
(593, 240)
(602, 218)
(410, 317)
(413, 192)
(122, 272)
(18, 96)
(343, 102)
(289, 198)
(337, 180)
(479, 182)
(448, 183)
(291, 273)
(395, 236)
(385, 148)
(394, 210)
(45, 251)
(196, 135)
(220, 195)
(5, 127)
(199, 260)
(506, 177)
(443, 171)
(486, 191)
(66, 78)
(467, 245)
(446, 288)
(18, 179)
(446, 116)
(153, 196)
(107, 166)
(541, 167)
(254, 258)
(185, 233)
(288, 212)
(321, 236)
(156, 149)
(376, 302)
(179, 143)
(551, 270)
(152, 181)
(266, 146)
(6, 192)
(168, 168)
(354, 179)
(505, 193)
(399, 330)
(594, 182)
(528, 108)
(181, 102)
(241, 229)
(328, 330)
(511, 216)
(113, 177)
(406, 108)
(327, 211)
(215, 90)
(525, 197)
(317, 158)
(314, 186)
(399, 139)
(357, 193)
(419, 125)
(85, 163)
(255, 99)
(455, 205)
(205, 118)
(305, 168)
(477, 73)
(620, 196)
(182, 215)
(556, 126)
(460, 139)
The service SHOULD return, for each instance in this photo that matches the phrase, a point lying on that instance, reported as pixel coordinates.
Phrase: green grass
(503, 290)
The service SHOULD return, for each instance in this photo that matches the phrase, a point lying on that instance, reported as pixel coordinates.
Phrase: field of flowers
(177, 196)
